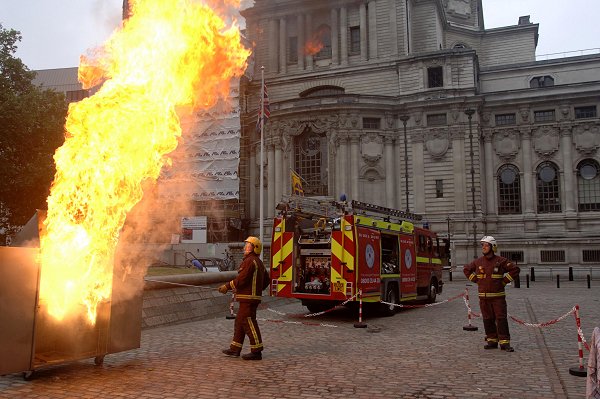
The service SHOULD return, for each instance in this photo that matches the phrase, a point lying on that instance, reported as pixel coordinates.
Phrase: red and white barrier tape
(299, 322)
(469, 309)
(544, 324)
(427, 305)
(313, 314)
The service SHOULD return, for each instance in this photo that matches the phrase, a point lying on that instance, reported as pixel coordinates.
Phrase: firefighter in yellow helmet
(251, 280)
(491, 273)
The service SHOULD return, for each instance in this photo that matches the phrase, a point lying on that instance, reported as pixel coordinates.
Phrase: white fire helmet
(492, 241)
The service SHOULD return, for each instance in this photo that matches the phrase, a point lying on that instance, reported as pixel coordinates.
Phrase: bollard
(589, 281)
(231, 315)
(532, 274)
(450, 274)
(578, 371)
(360, 323)
(570, 273)
(469, 327)
(558, 281)
(527, 280)
(518, 282)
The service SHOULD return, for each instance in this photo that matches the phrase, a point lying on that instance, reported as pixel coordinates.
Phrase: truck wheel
(317, 307)
(432, 294)
(390, 297)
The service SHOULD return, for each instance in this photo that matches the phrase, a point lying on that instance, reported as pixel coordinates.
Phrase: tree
(31, 129)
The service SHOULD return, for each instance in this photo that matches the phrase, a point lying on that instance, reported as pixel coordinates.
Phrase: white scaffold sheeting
(205, 166)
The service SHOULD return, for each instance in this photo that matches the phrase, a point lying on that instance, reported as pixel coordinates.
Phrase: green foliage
(31, 128)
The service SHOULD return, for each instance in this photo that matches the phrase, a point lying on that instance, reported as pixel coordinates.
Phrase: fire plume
(167, 59)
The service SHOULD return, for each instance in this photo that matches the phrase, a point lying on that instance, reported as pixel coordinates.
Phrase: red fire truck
(324, 252)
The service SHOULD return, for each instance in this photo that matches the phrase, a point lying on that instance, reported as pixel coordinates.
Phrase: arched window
(588, 185)
(548, 189)
(324, 90)
(310, 161)
(323, 35)
(509, 190)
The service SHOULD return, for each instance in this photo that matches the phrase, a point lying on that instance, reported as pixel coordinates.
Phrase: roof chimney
(524, 20)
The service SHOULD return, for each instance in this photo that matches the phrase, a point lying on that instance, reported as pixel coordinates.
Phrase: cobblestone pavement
(418, 353)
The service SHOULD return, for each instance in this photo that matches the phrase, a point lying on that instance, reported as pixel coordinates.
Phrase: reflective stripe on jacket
(491, 275)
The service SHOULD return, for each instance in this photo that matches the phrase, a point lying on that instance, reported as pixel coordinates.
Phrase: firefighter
(491, 273)
(251, 280)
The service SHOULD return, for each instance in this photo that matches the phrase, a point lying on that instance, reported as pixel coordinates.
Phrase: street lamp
(404, 119)
(469, 112)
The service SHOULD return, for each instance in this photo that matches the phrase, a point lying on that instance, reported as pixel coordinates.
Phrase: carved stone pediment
(296, 126)
(586, 138)
(371, 148)
(437, 143)
(546, 140)
(506, 143)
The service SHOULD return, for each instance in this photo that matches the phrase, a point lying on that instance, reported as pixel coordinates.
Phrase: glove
(223, 289)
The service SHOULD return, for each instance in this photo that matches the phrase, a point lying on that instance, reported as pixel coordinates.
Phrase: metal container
(31, 339)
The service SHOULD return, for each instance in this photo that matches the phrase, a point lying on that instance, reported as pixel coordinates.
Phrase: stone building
(413, 104)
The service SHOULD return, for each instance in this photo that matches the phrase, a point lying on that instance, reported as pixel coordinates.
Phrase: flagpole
(262, 130)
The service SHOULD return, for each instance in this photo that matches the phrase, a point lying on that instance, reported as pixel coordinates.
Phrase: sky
(56, 32)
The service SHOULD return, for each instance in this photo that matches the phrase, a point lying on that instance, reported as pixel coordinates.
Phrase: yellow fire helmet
(492, 241)
(256, 243)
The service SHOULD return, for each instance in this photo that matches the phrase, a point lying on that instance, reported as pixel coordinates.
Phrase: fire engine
(325, 252)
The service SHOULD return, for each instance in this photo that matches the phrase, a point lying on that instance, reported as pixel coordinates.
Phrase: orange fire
(168, 58)
(315, 43)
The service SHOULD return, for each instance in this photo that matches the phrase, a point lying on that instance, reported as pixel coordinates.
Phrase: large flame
(168, 57)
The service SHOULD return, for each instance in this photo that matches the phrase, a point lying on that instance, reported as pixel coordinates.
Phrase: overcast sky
(56, 32)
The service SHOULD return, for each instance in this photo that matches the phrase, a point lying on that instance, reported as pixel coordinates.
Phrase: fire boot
(507, 348)
(229, 352)
(252, 356)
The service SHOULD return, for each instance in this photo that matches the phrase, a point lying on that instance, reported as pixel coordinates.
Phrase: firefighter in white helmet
(251, 280)
(491, 273)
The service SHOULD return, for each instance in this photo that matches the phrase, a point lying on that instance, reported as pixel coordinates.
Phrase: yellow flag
(297, 184)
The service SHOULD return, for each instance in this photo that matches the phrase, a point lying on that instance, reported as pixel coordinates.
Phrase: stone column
(270, 211)
(282, 46)
(301, 40)
(489, 173)
(528, 175)
(372, 29)
(308, 34)
(399, 170)
(394, 28)
(363, 31)
(570, 188)
(354, 164)
(280, 175)
(335, 29)
(389, 172)
(459, 170)
(344, 35)
(342, 163)
(418, 174)
(273, 47)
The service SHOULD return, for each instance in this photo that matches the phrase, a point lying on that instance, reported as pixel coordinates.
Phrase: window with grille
(588, 185)
(552, 256)
(548, 192)
(541, 81)
(591, 255)
(439, 188)
(371, 123)
(436, 119)
(515, 256)
(509, 190)
(505, 119)
(585, 112)
(544, 116)
(435, 77)
(310, 162)
(354, 40)
(292, 50)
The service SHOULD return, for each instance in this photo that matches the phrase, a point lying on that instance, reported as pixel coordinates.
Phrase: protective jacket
(251, 280)
(491, 275)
